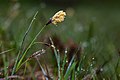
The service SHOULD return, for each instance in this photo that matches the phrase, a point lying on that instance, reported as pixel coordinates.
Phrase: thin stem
(28, 30)
(57, 55)
(64, 62)
(32, 42)
(3, 52)
(41, 68)
(24, 37)
(58, 62)
(69, 66)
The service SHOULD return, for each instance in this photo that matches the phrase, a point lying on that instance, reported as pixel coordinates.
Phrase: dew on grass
(66, 61)
(101, 69)
(93, 58)
(91, 65)
(52, 46)
(57, 50)
(66, 51)
(82, 69)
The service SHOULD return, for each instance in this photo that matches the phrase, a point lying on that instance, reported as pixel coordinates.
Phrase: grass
(20, 50)
(99, 58)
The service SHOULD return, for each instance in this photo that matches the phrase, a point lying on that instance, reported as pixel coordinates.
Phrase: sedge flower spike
(57, 18)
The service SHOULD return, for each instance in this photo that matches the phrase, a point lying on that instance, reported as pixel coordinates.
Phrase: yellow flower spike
(57, 18)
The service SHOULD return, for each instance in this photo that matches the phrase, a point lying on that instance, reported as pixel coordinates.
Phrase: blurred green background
(15, 17)
(93, 23)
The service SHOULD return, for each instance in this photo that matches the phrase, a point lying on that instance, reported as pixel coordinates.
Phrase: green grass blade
(32, 42)
(41, 68)
(70, 64)
(24, 37)
(73, 74)
(69, 71)
(5, 67)
(3, 52)
(57, 55)
(59, 75)
(63, 64)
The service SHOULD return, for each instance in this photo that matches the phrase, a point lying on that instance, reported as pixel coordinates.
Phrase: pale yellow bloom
(58, 17)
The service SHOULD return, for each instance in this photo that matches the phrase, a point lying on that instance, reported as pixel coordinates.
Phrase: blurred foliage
(95, 24)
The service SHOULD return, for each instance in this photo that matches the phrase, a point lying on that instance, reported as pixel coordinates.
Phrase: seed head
(57, 18)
